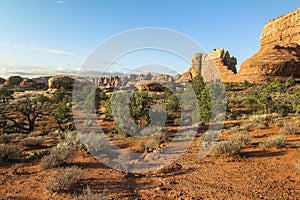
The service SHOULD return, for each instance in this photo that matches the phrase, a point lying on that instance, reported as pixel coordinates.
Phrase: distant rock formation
(279, 54)
(209, 65)
(163, 77)
(43, 80)
(2, 81)
(32, 84)
(61, 81)
(13, 81)
(150, 86)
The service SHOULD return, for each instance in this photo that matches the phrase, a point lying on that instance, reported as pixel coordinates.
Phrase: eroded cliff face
(217, 64)
(282, 31)
(279, 54)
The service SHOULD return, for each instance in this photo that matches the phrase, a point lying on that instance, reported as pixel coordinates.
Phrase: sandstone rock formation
(217, 64)
(2, 81)
(61, 81)
(13, 81)
(279, 54)
(31, 84)
(163, 77)
(150, 86)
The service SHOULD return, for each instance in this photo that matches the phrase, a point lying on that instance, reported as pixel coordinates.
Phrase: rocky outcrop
(13, 81)
(279, 54)
(282, 31)
(61, 81)
(217, 64)
(2, 81)
(152, 86)
(163, 77)
(43, 80)
(31, 84)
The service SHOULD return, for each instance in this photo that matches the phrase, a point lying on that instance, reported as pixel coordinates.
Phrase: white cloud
(60, 1)
(49, 50)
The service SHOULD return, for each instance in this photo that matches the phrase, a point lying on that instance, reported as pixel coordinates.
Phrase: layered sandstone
(279, 54)
(216, 65)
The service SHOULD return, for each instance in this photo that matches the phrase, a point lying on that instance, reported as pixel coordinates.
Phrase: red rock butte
(278, 56)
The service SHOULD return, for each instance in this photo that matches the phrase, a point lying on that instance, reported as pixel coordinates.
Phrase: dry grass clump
(243, 138)
(73, 138)
(59, 155)
(289, 128)
(264, 118)
(9, 152)
(32, 142)
(229, 148)
(246, 126)
(63, 179)
(88, 194)
(274, 142)
(5, 138)
(150, 144)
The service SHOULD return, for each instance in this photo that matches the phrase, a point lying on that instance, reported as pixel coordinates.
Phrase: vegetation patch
(274, 142)
(229, 148)
(59, 155)
(63, 179)
(9, 152)
(90, 195)
(33, 142)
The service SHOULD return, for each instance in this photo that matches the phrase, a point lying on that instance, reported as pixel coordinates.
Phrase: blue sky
(55, 36)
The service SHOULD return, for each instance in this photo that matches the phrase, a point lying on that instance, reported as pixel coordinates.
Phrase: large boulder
(2, 81)
(61, 81)
(279, 54)
(13, 81)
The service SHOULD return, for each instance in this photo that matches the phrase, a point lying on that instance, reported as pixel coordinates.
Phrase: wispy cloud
(48, 50)
(60, 1)
(10, 67)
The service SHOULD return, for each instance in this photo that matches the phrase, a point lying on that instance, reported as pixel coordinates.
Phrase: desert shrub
(32, 155)
(264, 118)
(246, 126)
(246, 84)
(88, 194)
(59, 155)
(63, 179)
(198, 84)
(73, 138)
(279, 122)
(229, 148)
(37, 133)
(243, 138)
(289, 128)
(233, 115)
(59, 94)
(177, 121)
(290, 82)
(296, 101)
(274, 142)
(32, 142)
(5, 138)
(151, 144)
(172, 103)
(9, 152)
